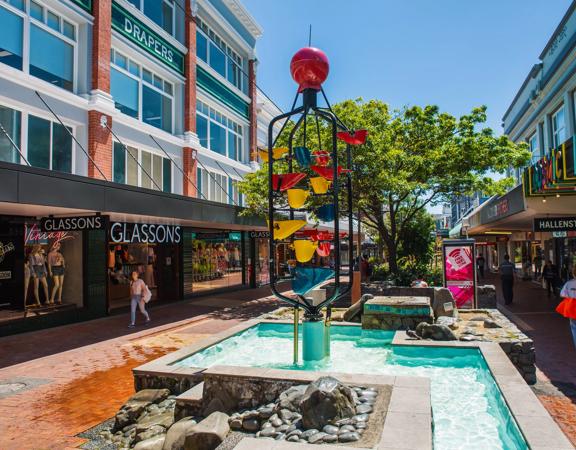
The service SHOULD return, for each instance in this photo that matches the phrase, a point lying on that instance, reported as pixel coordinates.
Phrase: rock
(346, 429)
(282, 428)
(128, 414)
(330, 439)
(349, 437)
(268, 432)
(290, 398)
(469, 338)
(293, 438)
(450, 322)
(366, 393)
(489, 323)
(285, 414)
(280, 437)
(250, 425)
(294, 433)
(236, 424)
(363, 409)
(348, 421)
(306, 434)
(176, 435)
(316, 438)
(276, 422)
(266, 412)
(435, 332)
(208, 434)
(354, 313)
(250, 415)
(155, 443)
(154, 430)
(360, 418)
(443, 303)
(361, 425)
(330, 429)
(164, 419)
(150, 396)
(326, 401)
(267, 425)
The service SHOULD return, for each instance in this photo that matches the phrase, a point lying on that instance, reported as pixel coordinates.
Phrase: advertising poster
(459, 272)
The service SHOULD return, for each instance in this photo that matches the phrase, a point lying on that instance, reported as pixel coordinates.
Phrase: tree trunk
(392, 256)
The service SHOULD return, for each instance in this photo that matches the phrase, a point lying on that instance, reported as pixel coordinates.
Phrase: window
(140, 93)
(533, 144)
(51, 42)
(214, 186)
(161, 12)
(558, 128)
(49, 145)
(155, 170)
(218, 133)
(11, 121)
(211, 49)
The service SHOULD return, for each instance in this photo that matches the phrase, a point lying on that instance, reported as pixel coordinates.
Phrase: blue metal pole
(313, 345)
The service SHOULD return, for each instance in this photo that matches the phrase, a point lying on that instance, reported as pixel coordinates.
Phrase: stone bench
(396, 312)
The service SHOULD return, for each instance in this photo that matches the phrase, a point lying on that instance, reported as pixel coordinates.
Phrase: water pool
(468, 409)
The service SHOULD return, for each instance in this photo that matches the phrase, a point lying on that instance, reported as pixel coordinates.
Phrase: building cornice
(244, 17)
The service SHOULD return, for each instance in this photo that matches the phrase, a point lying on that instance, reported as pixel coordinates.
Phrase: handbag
(146, 294)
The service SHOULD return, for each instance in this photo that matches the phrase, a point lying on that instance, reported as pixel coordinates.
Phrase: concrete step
(189, 403)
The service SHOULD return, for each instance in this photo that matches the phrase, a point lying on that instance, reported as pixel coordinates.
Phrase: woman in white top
(137, 290)
(568, 305)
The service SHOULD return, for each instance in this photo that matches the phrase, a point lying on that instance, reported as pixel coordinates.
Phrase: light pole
(465, 226)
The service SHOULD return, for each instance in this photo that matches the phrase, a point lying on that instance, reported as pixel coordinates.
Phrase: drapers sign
(84, 4)
(143, 36)
(553, 174)
(73, 223)
(142, 233)
(555, 224)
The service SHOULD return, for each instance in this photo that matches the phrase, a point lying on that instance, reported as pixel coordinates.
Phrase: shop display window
(40, 272)
(213, 260)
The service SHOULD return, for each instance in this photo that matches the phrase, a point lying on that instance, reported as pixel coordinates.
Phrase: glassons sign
(142, 233)
(143, 36)
(553, 174)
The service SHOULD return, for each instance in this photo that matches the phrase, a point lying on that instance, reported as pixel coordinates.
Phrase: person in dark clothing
(550, 274)
(507, 278)
(538, 266)
(480, 263)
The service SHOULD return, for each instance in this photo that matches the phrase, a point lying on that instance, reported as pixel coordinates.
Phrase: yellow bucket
(320, 185)
(304, 250)
(285, 228)
(297, 197)
(276, 153)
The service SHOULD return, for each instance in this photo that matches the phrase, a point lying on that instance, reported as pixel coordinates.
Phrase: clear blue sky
(454, 53)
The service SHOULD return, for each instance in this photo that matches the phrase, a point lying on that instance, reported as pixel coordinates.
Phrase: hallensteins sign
(139, 33)
(555, 224)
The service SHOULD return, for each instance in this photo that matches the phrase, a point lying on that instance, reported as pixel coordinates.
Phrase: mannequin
(27, 275)
(56, 269)
(37, 262)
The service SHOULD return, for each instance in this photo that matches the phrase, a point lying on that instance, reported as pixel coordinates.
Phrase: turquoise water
(468, 409)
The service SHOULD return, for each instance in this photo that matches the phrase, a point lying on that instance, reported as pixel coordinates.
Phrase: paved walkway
(533, 312)
(76, 376)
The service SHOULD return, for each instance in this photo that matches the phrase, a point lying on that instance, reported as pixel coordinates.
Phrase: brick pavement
(533, 312)
(82, 372)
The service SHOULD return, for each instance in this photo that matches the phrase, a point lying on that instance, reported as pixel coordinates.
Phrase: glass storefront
(153, 251)
(212, 260)
(40, 272)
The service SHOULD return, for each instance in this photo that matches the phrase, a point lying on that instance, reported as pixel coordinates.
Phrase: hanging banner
(460, 271)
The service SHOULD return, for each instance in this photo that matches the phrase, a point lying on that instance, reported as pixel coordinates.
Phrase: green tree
(413, 158)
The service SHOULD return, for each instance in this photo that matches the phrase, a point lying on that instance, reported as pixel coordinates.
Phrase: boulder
(290, 398)
(151, 432)
(326, 401)
(163, 418)
(177, 434)
(150, 396)
(128, 414)
(435, 332)
(443, 303)
(487, 297)
(208, 434)
(450, 322)
(354, 313)
(154, 443)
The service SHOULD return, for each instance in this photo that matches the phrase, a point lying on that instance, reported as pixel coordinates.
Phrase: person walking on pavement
(538, 265)
(568, 305)
(140, 294)
(507, 278)
(480, 263)
(549, 273)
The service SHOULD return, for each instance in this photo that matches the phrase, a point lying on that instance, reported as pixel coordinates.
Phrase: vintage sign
(460, 271)
(555, 224)
(73, 223)
(5, 249)
(144, 233)
(143, 36)
(34, 235)
(5, 274)
(553, 174)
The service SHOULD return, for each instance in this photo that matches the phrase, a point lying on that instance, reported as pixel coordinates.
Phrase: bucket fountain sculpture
(310, 176)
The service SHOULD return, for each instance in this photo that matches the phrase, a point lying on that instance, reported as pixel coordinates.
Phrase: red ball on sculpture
(309, 68)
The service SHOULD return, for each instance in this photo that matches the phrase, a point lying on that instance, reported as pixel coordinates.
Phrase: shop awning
(456, 232)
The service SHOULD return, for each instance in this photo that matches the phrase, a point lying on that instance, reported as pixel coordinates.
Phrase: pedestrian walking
(550, 274)
(480, 264)
(538, 265)
(507, 278)
(568, 305)
(140, 295)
